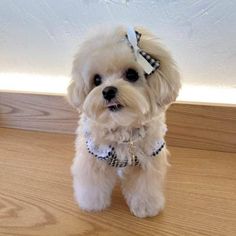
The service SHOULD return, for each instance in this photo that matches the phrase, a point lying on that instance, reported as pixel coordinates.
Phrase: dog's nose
(109, 92)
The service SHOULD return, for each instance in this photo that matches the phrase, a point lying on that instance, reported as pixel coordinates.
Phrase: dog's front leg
(93, 181)
(143, 188)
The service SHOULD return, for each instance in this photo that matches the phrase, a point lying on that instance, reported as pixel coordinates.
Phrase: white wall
(40, 36)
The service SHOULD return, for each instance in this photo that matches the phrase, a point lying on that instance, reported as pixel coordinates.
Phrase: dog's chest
(124, 154)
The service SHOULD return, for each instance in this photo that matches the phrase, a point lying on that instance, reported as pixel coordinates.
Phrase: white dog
(122, 83)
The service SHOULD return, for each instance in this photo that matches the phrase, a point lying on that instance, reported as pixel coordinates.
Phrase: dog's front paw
(92, 200)
(146, 207)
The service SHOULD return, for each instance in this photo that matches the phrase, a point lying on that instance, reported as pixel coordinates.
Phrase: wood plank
(49, 113)
(197, 126)
(202, 127)
(36, 196)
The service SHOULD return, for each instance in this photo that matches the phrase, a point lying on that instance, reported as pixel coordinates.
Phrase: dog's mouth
(114, 106)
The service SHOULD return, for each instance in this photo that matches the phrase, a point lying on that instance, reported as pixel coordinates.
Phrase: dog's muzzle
(109, 94)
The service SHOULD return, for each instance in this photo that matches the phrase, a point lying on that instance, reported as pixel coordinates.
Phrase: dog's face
(110, 87)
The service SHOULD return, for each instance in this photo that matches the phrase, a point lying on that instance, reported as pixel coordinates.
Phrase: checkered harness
(108, 153)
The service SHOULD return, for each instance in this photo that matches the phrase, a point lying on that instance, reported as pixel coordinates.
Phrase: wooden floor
(36, 195)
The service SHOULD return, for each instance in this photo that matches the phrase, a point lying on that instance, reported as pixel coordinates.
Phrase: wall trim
(209, 127)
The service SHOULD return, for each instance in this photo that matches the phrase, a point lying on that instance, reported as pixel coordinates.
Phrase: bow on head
(145, 60)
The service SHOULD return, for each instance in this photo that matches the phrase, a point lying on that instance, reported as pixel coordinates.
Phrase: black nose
(109, 92)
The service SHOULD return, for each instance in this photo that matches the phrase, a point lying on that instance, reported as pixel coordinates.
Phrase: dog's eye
(97, 79)
(131, 75)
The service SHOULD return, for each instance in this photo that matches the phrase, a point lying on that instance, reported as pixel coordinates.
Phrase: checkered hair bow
(145, 60)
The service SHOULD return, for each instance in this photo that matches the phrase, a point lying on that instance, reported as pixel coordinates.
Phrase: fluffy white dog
(123, 80)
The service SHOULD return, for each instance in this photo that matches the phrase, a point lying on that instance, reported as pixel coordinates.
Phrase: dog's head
(111, 86)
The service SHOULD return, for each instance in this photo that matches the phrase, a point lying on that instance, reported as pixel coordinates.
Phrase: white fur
(141, 119)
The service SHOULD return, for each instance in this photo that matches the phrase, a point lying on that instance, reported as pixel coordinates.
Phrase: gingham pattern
(111, 157)
(155, 63)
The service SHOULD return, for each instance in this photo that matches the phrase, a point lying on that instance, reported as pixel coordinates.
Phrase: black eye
(97, 79)
(131, 75)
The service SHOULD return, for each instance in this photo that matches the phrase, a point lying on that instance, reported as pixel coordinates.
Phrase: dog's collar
(145, 60)
(108, 153)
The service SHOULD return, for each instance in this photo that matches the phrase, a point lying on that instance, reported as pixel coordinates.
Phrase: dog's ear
(76, 91)
(165, 81)
(73, 94)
